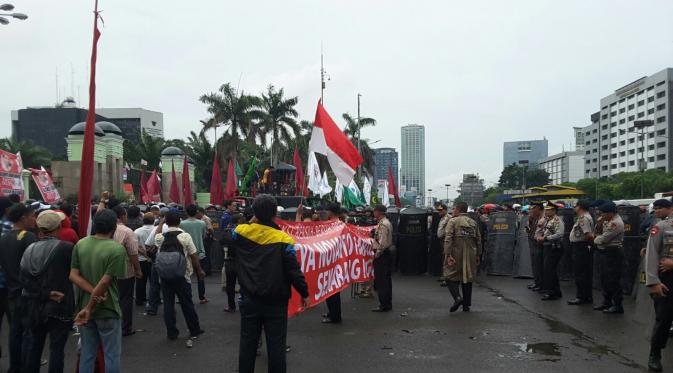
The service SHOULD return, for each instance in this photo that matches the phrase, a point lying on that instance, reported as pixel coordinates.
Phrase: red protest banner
(10, 174)
(45, 185)
(332, 255)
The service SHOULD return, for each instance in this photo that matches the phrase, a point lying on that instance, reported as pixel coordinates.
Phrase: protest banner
(10, 174)
(45, 185)
(332, 255)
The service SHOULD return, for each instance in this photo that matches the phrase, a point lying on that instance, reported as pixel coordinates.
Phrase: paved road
(509, 330)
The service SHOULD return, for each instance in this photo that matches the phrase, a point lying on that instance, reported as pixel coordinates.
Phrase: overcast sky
(474, 73)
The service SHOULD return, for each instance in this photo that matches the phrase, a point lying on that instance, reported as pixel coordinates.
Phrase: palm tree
(200, 150)
(233, 110)
(32, 156)
(149, 149)
(279, 118)
(352, 130)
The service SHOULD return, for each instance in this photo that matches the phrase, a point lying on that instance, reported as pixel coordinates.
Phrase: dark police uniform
(582, 258)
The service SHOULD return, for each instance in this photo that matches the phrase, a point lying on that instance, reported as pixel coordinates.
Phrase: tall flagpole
(86, 167)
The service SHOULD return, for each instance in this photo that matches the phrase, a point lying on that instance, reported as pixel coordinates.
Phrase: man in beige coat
(462, 248)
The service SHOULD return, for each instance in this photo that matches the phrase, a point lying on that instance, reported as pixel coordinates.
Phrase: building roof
(108, 127)
(78, 129)
(551, 191)
(172, 151)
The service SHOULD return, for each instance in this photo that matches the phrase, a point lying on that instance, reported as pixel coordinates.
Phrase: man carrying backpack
(175, 262)
(47, 294)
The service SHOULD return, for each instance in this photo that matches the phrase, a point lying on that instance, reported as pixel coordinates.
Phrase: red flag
(299, 175)
(392, 188)
(216, 192)
(328, 139)
(174, 192)
(186, 184)
(232, 188)
(86, 166)
(144, 197)
(154, 187)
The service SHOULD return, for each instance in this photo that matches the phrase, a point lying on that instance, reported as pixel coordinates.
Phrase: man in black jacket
(267, 266)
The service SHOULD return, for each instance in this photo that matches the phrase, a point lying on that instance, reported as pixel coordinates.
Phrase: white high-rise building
(412, 174)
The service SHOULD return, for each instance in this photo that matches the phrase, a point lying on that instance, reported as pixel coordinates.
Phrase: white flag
(338, 191)
(314, 179)
(367, 189)
(354, 188)
(325, 188)
(386, 196)
(143, 162)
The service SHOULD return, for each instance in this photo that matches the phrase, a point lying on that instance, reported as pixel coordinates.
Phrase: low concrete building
(564, 167)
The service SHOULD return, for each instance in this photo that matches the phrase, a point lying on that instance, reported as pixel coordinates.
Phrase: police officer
(552, 252)
(462, 248)
(580, 244)
(659, 278)
(534, 216)
(609, 246)
(441, 233)
(383, 240)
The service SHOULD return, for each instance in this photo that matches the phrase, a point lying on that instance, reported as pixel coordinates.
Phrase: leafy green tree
(33, 156)
(279, 119)
(149, 148)
(514, 177)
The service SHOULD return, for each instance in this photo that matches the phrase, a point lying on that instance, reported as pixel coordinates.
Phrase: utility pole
(323, 74)
(358, 129)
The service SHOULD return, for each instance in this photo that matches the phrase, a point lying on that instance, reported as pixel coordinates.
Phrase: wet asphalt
(508, 330)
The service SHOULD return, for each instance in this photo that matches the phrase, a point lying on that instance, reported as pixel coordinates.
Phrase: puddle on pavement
(547, 349)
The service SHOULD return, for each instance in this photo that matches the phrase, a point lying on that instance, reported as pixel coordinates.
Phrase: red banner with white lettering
(332, 255)
(46, 186)
(11, 181)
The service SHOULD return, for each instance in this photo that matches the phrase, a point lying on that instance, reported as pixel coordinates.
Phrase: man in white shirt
(142, 234)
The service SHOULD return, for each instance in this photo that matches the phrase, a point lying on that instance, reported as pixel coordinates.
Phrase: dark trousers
(230, 273)
(202, 283)
(273, 319)
(19, 338)
(553, 252)
(538, 263)
(383, 282)
(334, 307)
(141, 283)
(207, 264)
(663, 310)
(4, 305)
(183, 290)
(583, 265)
(610, 263)
(58, 336)
(155, 292)
(126, 287)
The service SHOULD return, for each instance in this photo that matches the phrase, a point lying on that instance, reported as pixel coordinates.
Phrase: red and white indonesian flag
(327, 139)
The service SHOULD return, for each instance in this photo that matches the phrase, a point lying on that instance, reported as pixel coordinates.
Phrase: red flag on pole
(186, 184)
(174, 192)
(154, 187)
(216, 192)
(232, 187)
(86, 167)
(392, 188)
(299, 175)
(144, 197)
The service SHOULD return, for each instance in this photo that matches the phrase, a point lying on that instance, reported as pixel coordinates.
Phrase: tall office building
(612, 144)
(49, 126)
(384, 159)
(524, 153)
(412, 173)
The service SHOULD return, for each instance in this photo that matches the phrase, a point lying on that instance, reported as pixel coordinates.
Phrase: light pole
(641, 124)
(9, 8)
(430, 197)
(447, 192)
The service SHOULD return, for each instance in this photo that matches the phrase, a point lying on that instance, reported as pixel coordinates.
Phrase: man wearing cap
(47, 293)
(659, 278)
(462, 248)
(535, 218)
(552, 252)
(580, 243)
(610, 258)
(383, 240)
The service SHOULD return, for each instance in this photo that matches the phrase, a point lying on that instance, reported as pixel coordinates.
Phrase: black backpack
(170, 262)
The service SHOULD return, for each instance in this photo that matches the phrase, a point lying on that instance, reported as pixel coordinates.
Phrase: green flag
(351, 200)
(248, 175)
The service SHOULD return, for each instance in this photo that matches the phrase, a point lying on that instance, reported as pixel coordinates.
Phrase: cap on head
(608, 207)
(50, 220)
(662, 204)
(441, 207)
(550, 206)
(583, 204)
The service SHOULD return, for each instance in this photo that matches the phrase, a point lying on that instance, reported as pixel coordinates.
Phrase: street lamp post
(430, 197)
(641, 124)
(447, 192)
(9, 8)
